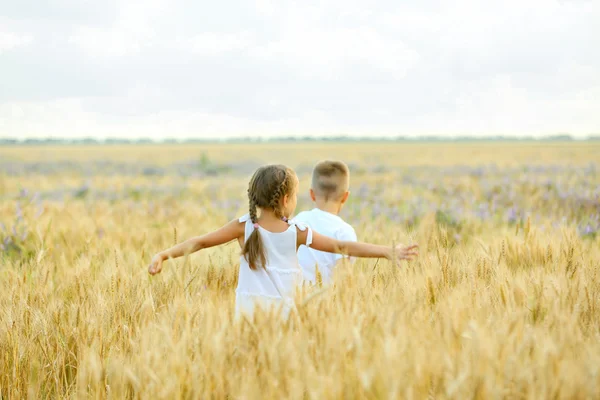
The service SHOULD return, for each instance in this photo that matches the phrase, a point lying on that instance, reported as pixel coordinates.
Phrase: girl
(269, 270)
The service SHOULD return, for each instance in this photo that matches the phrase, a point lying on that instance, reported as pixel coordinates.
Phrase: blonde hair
(330, 180)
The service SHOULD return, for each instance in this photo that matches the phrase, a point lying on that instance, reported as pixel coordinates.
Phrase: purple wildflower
(512, 216)
(19, 212)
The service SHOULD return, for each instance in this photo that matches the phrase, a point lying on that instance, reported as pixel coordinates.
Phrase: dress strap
(248, 229)
(303, 227)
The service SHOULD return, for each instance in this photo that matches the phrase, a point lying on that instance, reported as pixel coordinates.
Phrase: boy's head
(330, 182)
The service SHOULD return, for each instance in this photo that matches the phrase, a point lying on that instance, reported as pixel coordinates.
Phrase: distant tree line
(290, 139)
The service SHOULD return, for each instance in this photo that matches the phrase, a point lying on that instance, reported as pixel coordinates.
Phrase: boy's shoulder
(301, 214)
(311, 215)
(308, 215)
(347, 227)
(346, 224)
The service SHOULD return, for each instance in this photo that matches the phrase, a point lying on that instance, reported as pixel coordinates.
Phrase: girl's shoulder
(244, 218)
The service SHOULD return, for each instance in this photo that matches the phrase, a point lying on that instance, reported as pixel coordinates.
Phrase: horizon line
(294, 138)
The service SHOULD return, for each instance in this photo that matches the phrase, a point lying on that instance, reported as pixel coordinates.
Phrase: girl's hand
(406, 252)
(156, 264)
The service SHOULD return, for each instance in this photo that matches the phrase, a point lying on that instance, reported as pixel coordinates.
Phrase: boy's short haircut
(330, 180)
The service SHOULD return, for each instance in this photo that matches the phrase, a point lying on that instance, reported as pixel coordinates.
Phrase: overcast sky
(188, 68)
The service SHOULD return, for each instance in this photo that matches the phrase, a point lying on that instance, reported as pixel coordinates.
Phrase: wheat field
(503, 302)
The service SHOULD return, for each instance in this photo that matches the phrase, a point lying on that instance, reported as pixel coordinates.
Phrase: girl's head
(273, 188)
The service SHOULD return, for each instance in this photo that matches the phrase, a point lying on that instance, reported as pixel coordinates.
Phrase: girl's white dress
(275, 284)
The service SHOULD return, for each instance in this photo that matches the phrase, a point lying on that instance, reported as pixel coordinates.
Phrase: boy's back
(327, 224)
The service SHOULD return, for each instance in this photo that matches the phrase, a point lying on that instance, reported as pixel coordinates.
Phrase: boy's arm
(357, 249)
(231, 231)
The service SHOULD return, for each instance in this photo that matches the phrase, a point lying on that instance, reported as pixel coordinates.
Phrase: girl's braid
(252, 207)
(278, 194)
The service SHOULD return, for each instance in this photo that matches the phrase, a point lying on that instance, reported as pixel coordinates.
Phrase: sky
(187, 68)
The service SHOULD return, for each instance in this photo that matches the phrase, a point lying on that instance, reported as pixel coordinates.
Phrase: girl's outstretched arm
(231, 231)
(358, 249)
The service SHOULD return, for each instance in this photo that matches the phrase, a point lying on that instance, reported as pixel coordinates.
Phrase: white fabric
(326, 224)
(276, 283)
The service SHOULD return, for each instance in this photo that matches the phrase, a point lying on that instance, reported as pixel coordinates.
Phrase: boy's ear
(312, 195)
(345, 198)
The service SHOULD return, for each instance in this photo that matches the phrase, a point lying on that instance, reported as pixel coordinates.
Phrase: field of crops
(503, 302)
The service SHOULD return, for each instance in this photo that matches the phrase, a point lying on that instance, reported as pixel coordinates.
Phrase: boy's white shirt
(329, 225)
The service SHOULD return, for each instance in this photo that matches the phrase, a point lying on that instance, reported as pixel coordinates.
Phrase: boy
(329, 192)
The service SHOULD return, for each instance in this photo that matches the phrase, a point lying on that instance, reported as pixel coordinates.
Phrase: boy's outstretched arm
(358, 249)
(231, 231)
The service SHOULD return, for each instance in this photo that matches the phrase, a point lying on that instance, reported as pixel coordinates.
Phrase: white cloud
(10, 41)
(133, 30)
(99, 43)
(212, 43)
(328, 54)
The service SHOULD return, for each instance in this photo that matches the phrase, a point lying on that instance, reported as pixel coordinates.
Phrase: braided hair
(268, 186)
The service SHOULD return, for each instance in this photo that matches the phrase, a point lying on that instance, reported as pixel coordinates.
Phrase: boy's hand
(406, 252)
(156, 264)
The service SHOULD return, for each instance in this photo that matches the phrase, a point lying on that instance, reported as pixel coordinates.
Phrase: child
(329, 192)
(269, 271)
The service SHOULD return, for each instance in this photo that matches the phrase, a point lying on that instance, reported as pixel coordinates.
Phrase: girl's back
(275, 283)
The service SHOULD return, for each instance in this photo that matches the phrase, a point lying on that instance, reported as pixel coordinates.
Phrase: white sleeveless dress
(275, 284)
